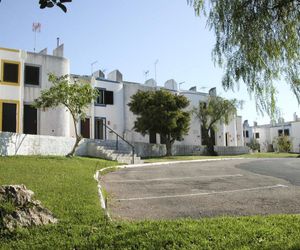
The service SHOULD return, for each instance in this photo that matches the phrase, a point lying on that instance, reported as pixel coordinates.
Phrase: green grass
(67, 188)
(185, 157)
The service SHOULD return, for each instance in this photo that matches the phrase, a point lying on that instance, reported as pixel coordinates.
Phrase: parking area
(204, 189)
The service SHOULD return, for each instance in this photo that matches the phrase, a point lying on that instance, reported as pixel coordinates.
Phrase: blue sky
(130, 35)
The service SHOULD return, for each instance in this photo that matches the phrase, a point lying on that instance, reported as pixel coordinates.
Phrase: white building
(112, 110)
(22, 77)
(266, 134)
(25, 74)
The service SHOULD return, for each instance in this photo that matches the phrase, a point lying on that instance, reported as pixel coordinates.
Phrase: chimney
(212, 92)
(151, 83)
(59, 51)
(43, 52)
(295, 117)
(255, 124)
(171, 84)
(194, 88)
(99, 74)
(115, 75)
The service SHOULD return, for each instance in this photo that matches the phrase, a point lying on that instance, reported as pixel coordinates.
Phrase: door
(85, 128)
(9, 117)
(227, 138)
(100, 129)
(30, 120)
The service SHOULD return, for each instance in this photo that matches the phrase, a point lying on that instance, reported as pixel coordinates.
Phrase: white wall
(295, 136)
(52, 122)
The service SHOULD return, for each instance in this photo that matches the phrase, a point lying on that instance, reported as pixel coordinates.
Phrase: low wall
(153, 150)
(21, 144)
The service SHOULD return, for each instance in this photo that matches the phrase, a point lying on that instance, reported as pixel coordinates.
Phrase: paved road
(205, 189)
(287, 169)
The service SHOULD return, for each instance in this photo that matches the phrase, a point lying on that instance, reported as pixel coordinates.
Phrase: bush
(283, 143)
(254, 145)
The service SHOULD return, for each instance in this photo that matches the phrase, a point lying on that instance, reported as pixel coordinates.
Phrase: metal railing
(123, 139)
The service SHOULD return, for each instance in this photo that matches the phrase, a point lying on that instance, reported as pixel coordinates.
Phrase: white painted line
(208, 193)
(179, 178)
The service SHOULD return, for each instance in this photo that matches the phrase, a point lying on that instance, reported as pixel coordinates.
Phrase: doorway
(100, 131)
(9, 117)
(30, 120)
(85, 128)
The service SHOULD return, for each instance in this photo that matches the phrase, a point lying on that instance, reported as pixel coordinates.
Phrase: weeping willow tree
(258, 43)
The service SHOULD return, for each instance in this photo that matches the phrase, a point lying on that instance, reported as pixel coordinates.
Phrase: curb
(97, 175)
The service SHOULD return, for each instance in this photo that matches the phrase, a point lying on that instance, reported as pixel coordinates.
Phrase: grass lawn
(67, 188)
(184, 158)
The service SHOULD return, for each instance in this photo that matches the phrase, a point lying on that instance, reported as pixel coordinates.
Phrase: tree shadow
(10, 143)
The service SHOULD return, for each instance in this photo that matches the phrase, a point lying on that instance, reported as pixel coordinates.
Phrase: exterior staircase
(113, 150)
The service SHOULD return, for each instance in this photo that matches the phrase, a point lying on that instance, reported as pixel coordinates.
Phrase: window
(247, 134)
(10, 72)
(280, 132)
(287, 132)
(105, 97)
(257, 135)
(163, 139)
(32, 75)
(152, 137)
(109, 97)
(100, 97)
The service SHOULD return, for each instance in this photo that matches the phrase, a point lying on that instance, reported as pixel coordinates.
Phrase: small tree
(75, 97)
(216, 110)
(283, 143)
(161, 112)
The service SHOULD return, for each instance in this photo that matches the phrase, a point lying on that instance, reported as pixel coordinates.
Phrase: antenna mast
(36, 28)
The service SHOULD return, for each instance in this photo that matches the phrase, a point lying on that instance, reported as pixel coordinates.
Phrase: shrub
(283, 143)
(254, 144)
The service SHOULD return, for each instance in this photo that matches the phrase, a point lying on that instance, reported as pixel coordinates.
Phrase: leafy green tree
(75, 97)
(216, 110)
(258, 42)
(161, 112)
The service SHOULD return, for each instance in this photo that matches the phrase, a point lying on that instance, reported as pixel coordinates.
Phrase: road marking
(208, 193)
(178, 178)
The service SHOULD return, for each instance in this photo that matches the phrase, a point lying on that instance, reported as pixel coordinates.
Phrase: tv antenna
(92, 67)
(146, 73)
(179, 84)
(155, 63)
(36, 28)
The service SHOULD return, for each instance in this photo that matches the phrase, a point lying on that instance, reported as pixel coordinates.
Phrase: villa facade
(25, 74)
(266, 134)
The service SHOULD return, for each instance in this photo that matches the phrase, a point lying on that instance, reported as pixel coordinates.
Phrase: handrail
(123, 139)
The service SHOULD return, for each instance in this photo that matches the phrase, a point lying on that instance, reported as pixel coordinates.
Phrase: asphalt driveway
(205, 189)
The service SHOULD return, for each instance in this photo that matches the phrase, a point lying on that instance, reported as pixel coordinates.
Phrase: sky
(131, 35)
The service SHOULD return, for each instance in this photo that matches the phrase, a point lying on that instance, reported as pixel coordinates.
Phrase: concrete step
(107, 150)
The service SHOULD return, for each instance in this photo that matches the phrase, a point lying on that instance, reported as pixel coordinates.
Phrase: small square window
(287, 132)
(11, 72)
(32, 75)
(280, 132)
(257, 135)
